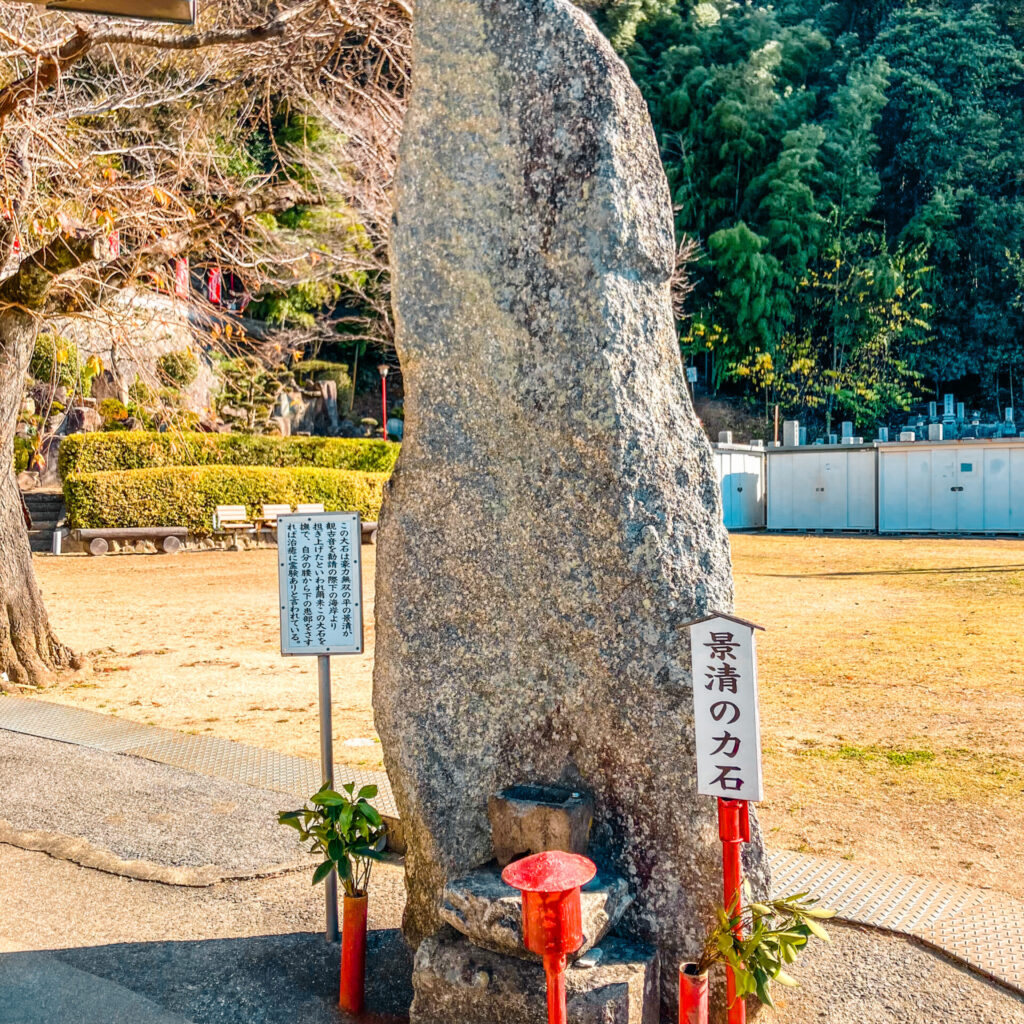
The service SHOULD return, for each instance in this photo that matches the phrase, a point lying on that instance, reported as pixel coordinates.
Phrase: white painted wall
(820, 487)
(741, 473)
(965, 487)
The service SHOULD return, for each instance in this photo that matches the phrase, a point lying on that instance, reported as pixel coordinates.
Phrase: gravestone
(554, 520)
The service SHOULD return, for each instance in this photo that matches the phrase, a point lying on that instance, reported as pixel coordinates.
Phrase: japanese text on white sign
(320, 580)
(725, 708)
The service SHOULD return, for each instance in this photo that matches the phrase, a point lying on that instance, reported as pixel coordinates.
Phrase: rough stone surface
(534, 819)
(454, 981)
(490, 913)
(554, 519)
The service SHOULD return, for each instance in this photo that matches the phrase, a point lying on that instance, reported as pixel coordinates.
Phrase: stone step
(41, 499)
(490, 913)
(455, 982)
(49, 515)
(40, 542)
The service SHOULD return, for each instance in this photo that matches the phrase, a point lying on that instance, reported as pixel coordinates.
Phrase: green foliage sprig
(775, 933)
(346, 829)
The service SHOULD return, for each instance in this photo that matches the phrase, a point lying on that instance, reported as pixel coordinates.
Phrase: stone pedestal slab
(456, 982)
(490, 913)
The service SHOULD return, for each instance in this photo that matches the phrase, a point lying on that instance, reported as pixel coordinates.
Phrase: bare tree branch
(29, 285)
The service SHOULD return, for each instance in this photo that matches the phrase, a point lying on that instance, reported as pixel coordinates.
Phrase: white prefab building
(822, 487)
(951, 487)
(741, 472)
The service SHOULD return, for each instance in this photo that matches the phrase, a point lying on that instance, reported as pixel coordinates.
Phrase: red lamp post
(552, 919)
(383, 371)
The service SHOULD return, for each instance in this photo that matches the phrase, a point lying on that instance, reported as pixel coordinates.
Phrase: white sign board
(724, 662)
(320, 580)
(691, 374)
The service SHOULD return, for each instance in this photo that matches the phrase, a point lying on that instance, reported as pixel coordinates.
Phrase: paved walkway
(982, 929)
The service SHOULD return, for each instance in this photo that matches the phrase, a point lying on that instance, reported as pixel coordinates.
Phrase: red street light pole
(383, 371)
(552, 919)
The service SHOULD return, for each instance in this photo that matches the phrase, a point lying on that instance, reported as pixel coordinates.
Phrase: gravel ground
(74, 941)
(866, 976)
(247, 952)
(251, 953)
(142, 811)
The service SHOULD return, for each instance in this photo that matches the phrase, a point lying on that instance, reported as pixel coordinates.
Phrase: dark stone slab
(455, 982)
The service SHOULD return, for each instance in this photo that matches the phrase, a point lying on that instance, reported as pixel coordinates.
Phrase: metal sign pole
(321, 597)
(323, 664)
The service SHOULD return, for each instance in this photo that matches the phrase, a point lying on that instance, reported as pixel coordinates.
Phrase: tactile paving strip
(982, 929)
(204, 755)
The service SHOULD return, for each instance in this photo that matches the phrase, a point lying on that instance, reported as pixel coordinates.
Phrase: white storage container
(741, 472)
(822, 488)
(951, 487)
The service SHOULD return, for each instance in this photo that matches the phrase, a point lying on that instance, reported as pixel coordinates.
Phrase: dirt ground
(193, 643)
(892, 683)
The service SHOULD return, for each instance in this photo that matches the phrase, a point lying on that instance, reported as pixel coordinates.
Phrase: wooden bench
(268, 518)
(232, 519)
(269, 514)
(167, 538)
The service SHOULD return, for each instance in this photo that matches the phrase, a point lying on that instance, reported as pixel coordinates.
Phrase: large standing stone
(554, 518)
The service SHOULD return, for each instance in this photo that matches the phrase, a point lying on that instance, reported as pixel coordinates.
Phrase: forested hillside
(854, 174)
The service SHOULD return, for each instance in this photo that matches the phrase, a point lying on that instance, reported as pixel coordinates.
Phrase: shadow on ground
(265, 979)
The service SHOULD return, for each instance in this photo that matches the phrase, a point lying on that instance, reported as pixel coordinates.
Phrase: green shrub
(55, 360)
(248, 392)
(140, 393)
(177, 369)
(113, 412)
(23, 450)
(320, 369)
(95, 453)
(188, 495)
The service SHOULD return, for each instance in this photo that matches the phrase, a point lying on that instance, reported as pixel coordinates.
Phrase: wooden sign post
(321, 587)
(182, 12)
(728, 738)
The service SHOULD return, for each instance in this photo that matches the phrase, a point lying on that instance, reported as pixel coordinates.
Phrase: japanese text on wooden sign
(724, 661)
(320, 579)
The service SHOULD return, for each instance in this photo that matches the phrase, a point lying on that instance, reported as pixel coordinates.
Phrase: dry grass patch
(893, 695)
(892, 683)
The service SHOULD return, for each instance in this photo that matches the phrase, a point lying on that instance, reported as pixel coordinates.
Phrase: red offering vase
(353, 954)
(693, 995)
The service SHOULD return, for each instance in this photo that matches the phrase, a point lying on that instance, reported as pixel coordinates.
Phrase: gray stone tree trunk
(29, 651)
(554, 519)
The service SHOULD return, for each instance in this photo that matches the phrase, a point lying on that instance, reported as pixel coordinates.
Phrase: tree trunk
(29, 651)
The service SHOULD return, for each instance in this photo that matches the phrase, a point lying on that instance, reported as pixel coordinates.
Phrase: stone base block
(531, 819)
(490, 913)
(456, 982)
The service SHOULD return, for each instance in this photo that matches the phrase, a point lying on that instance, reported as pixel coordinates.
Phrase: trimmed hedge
(111, 452)
(188, 495)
